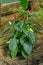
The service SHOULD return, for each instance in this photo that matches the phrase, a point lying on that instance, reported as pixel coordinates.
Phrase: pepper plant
(22, 36)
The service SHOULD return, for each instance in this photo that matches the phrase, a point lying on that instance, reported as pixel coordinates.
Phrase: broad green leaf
(14, 52)
(13, 46)
(30, 22)
(22, 40)
(25, 55)
(23, 3)
(27, 46)
(17, 26)
(27, 14)
(30, 34)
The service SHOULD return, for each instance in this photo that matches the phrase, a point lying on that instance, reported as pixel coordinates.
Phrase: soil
(36, 58)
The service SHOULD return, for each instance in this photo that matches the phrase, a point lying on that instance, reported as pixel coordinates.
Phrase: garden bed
(36, 58)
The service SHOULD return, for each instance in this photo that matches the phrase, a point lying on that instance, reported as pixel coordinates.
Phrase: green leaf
(27, 14)
(17, 27)
(22, 40)
(25, 55)
(30, 22)
(27, 46)
(17, 24)
(23, 3)
(14, 52)
(13, 46)
(30, 34)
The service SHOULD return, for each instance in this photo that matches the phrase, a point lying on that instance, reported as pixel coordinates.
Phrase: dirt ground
(36, 58)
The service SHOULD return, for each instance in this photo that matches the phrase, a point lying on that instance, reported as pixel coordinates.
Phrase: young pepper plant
(22, 37)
